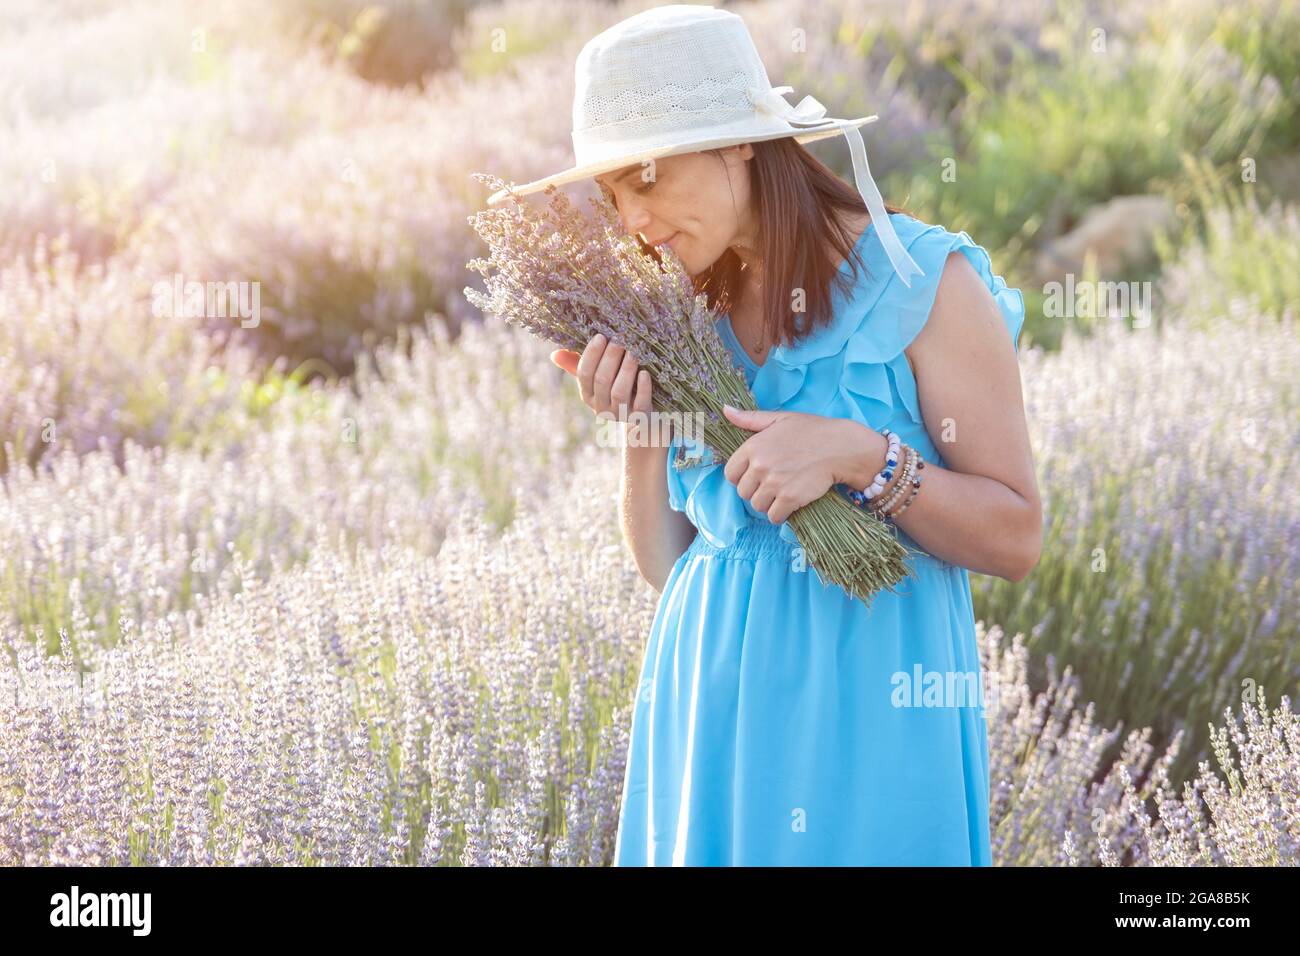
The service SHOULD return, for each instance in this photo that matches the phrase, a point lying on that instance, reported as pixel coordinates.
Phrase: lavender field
(335, 576)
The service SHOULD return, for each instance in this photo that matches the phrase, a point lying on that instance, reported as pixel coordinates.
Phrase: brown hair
(796, 195)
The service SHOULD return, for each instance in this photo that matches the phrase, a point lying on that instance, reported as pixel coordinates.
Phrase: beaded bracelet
(916, 490)
(869, 500)
(863, 498)
(905, 485)
(900, 489)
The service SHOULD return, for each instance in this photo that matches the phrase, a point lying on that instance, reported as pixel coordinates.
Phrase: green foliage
(1231, 251)
(1035, 157)
(510, 39)
(1265, 35)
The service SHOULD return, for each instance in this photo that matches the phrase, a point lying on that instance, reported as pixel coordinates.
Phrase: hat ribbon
(772, 101)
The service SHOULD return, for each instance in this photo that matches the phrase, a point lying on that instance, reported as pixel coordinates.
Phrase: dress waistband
(761, 539)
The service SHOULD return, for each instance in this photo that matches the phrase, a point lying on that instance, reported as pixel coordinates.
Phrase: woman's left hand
(791, 459)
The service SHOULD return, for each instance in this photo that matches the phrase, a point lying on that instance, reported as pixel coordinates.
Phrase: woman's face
(694, 201)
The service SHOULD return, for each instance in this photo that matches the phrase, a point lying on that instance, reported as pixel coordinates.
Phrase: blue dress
(778, 721)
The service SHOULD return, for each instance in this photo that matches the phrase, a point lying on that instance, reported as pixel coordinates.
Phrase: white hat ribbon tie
(809, 110)
(772, 100)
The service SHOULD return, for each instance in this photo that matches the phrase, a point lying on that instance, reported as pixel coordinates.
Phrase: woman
(780, 721)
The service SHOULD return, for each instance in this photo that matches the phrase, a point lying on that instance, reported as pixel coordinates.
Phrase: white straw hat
(682, 78)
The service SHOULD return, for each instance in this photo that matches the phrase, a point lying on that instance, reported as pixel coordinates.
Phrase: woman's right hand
(609, 379)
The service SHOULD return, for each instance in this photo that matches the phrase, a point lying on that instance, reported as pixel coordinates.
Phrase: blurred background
(338, 578)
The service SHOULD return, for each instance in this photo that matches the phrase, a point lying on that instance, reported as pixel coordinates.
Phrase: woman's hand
(792, 458)
(609, 379)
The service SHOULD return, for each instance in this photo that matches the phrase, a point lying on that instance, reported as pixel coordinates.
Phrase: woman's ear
(737, 153)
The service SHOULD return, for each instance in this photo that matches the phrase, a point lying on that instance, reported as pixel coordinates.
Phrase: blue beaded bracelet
(862, 498)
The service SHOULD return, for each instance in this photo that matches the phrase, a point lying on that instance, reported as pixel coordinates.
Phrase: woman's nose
(635, 224)
(635, 217)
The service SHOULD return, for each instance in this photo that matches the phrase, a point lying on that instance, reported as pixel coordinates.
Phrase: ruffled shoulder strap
(879, 316)
(882, 314)
(898, 312)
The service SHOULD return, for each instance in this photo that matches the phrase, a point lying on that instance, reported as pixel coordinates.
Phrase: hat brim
(574, 173)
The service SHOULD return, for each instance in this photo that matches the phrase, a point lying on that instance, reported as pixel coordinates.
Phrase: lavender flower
(566, 277)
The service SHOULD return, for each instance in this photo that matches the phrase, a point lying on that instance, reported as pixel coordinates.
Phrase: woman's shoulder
(882, 314)
(931, 246)
(876, 318)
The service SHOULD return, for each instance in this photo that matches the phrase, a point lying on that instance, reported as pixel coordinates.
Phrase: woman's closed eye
(613, 200)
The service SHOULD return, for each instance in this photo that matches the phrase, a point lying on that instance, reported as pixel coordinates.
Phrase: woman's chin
(665, 252)
(688, 263)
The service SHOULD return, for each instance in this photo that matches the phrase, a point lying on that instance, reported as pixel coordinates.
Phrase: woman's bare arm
(982, 511)
(611, 384)
(655, 533)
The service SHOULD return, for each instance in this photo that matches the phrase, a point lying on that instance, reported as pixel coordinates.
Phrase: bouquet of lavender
(566, 277)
